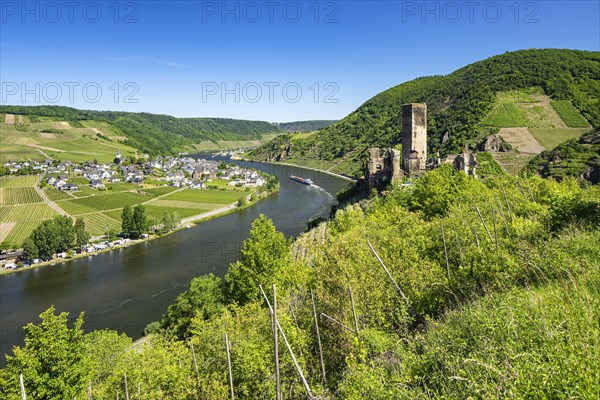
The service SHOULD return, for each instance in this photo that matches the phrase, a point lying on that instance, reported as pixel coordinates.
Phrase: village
(177, 172)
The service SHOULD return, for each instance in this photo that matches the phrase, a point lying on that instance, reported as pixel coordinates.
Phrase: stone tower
(414, 138)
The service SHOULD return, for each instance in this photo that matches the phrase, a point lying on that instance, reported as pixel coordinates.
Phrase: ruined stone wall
(383, 167)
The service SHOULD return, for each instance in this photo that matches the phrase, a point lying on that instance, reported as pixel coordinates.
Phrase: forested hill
(457, 103)
(305, 126)
(153, 133)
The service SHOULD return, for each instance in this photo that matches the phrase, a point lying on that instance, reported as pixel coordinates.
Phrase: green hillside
(459, 104)
(149, 133)
(61, 141)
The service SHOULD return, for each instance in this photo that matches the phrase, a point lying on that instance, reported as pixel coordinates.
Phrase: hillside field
(531, 122)
(22, 208)
(59, 141)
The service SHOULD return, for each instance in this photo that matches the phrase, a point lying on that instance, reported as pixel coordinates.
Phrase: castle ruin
(466, 162)
(383, 167)
(414, 138)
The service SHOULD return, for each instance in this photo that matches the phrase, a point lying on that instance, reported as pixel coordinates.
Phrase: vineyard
(18, 181)
(55, 195)
(26, 212)
(569, 114)
(19, 195)
(21, 209)
(96, 223)
(19, 233)
(92, 204)
(505, 115)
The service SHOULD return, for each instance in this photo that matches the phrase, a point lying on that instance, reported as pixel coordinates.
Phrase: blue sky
(267, 60)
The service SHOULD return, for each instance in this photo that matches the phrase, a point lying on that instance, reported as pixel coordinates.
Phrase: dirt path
(52, 204)
(163, 195)
(522, 140)
(208, 214)
(43, 154)
(37, 146)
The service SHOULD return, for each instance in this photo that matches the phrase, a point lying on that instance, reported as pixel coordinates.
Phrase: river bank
(323, 171)
(185, 223)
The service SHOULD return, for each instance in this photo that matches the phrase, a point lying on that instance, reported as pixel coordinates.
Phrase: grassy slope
(457, 103)
(31, 141)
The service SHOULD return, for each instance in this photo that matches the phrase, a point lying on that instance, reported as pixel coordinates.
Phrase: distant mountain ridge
(305, 126)
(457, 104)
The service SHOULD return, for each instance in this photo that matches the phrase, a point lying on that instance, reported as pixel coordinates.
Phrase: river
(126, 289)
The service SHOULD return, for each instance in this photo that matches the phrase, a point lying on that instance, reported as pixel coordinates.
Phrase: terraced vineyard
(59, 140)
(529, 121)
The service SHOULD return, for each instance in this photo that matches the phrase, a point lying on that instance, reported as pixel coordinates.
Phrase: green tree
(30, 249)
(203, 299)
(139, 221)
(169, 221)
(82, 236)
(127, 221)
(52, 236)
(51, 361)
(63, 227)
(264, 255)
